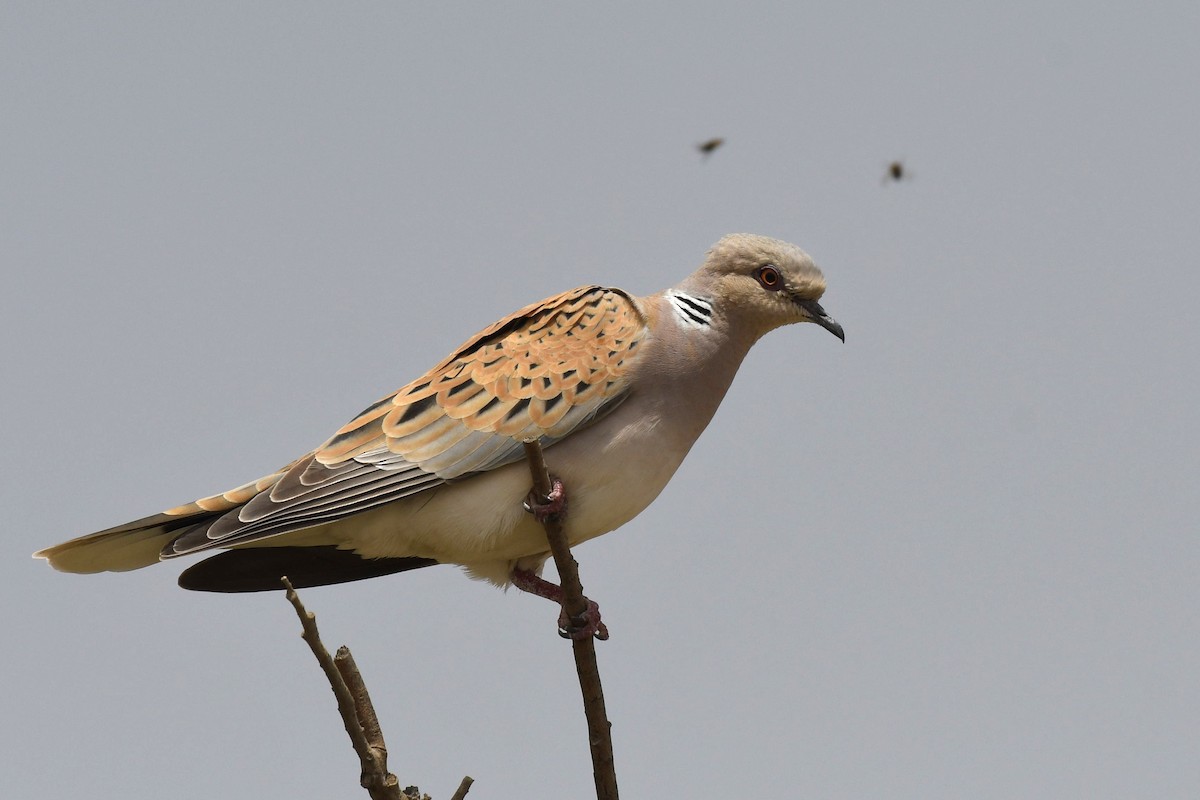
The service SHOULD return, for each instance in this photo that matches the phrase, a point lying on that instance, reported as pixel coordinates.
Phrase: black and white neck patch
(691, 311)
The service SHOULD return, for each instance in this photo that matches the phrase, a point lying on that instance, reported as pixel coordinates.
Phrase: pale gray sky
(955, 557)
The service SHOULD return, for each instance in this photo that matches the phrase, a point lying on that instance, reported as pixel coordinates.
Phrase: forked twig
(357, 711)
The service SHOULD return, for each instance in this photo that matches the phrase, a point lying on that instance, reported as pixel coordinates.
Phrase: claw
(581, 627)
(584, 626)
(553, 507)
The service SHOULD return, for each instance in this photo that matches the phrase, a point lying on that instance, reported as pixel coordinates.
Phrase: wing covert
(541, 373)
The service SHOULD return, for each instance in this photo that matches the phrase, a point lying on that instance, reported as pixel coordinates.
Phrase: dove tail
(138, 544)
(253, 569)
(133, 545)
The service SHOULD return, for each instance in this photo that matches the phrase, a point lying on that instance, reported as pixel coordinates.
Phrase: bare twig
(463, 788)
(575, 604)
(379, 783)
(364, 710)
(358, 713)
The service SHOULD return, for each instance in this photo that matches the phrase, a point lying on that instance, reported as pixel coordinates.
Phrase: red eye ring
(769, 278)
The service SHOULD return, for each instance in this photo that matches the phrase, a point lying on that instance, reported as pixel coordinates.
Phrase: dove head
(762, 284)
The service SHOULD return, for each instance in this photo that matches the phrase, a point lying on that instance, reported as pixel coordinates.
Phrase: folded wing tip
(261, 569)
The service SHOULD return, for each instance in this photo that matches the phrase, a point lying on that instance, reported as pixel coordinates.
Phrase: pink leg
(586, 624)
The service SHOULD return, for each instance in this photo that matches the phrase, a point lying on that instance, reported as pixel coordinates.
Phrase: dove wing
(542, 373)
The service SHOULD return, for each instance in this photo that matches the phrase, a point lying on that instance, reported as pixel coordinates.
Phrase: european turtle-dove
(617, 388)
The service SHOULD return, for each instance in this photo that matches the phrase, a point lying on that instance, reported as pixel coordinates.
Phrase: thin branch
(463, 788)
(364, 710)
(358, 713)
(379, 783)
(575, 604)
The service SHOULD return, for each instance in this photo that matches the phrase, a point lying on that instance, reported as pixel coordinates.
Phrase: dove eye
(770, 278)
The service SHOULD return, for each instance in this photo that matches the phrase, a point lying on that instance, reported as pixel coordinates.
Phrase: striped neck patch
(691, 311)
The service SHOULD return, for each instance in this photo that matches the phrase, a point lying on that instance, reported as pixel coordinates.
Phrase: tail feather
(139, 543)
(130, 546)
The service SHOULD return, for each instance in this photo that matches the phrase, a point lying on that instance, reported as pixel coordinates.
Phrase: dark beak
(818, 315)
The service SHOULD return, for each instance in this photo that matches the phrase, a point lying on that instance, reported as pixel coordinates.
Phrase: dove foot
(582, 626)
(551, 508)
